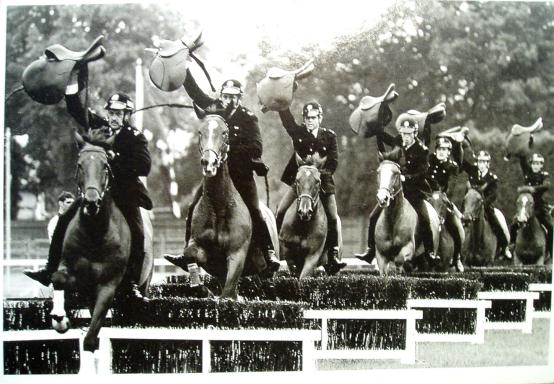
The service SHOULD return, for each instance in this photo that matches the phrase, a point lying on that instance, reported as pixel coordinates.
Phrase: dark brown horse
(479, 247)
(96, 249)
(221, 223)
(396, 240)
(442, 204)
(530, 242)
(304, 230)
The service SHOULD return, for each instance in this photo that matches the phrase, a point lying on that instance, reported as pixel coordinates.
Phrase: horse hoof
(177, 260)
(60, 323)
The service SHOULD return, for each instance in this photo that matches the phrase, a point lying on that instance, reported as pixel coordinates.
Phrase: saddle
(45, 80)
(425, 119)
(168, 70)
(457, 134)
(373, 113)
(276, 90)
(520, 139)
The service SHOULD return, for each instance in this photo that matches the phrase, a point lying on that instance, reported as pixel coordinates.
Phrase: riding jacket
(441, 173)
(538, 180)
(305, 143)
(486, 184)
(132, 158)
(413, 165)
(245, 139)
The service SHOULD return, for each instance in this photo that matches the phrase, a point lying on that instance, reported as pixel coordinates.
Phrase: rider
(481, 179)
(308, 139)
(537, 180)
(413, 164)
(245, 151)
(129, 158)
(441, 175)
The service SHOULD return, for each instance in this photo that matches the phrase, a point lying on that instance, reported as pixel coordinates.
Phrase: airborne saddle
(168, 70)
(45, 80)
(373, 113)
(425, 119)
(276, 90)
(520, 139)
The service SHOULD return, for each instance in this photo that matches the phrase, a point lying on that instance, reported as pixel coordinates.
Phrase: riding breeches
(56, 245)
(329, 205)
(454, 226)
(373, 216)
(496, 227)
(425, 228)
(249, 194)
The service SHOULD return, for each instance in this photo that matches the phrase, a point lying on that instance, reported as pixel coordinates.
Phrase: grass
(501, 348)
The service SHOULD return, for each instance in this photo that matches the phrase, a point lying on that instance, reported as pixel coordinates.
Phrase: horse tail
(266, 190)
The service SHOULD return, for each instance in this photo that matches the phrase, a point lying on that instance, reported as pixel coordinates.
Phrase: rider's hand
(402, 178)
(111, 154)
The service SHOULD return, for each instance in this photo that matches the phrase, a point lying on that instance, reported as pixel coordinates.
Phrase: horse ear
(200, 113)
(79, 140)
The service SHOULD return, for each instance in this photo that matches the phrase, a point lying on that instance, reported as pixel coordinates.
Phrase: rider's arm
(77, 111)
(332, 154)
(250, 142)
(136, 161)
(288, 122)
(489, 191)
(390, 139)
(545, 186)
(200, 98)
(525, 167)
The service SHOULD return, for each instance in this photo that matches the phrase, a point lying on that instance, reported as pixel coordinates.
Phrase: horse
(441, 204)
(304, 230)
(479, 247)
(96, 250)
(221, 229)
(396, 229)
(530, 241)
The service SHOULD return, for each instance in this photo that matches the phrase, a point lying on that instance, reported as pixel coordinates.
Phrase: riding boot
(369, 254)
(44, 275)
(333, 263)
(451, 226)
(545, 219)
(426, 230)
(513, 234)
(188, 221)
(266, 245)
(499, 233)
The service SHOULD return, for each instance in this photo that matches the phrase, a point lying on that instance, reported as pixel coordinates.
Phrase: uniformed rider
(310, 138)
(245, 151)
(414, 165)
(483, 180)
(129, 159)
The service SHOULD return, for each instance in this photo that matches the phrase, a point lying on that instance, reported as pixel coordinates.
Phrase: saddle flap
(305, 71)
(168, 48)
(436, 114)
(518, 129)
(45, 81)
(275, 73)
(58, 52)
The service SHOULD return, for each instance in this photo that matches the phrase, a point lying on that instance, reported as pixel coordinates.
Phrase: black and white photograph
(267, 191)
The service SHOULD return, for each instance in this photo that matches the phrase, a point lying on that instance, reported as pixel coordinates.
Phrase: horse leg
(310, 264)
(235, 266)
(61, 281)
(381, 263)
(104, 299)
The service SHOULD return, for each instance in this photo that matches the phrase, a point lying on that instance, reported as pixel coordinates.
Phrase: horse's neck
(395, 208)
(218, 190)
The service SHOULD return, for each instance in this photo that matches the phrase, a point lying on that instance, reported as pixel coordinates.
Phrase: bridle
(314, 200)
(391, 192)
(223, 150)
(107, 169)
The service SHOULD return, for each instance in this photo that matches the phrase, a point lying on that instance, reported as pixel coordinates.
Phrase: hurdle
(526, 326)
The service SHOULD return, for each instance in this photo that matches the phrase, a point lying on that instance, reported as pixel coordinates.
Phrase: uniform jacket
(538, 180)
(131, 161)
(414, 165)
(245, 139)
(441, 173)
(304, 142)
(487, 184)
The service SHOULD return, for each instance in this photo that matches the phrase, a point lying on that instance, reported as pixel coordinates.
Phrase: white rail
(541, 287)
(479, 306)
(104, 353)
(526, 326)
(406, 356)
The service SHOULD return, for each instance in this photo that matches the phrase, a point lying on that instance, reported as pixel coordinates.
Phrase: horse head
(525, 207)
(389, 181)
(93, 175)
(213, 141)
(473, 206)
(307, 185)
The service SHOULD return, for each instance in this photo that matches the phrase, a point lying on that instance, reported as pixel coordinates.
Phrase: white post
(324, 334)
(104, 355)
(308, 358)
(206, 356)
(139, 92)
(8, 197)
(529, 309)
(410, 352)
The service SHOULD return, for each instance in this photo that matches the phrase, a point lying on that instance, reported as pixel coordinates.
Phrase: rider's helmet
(443, 142)
(537, 158)
(231, 87)
(120, 101)
(483, 156)
(406, 123)
(311, 106)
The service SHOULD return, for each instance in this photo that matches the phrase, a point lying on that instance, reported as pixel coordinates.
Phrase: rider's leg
(188, 222)
(369, 254)
(330, 206)
(44, 275)
(498, 231)
(247, 190)
(136, 258)
(454, 226)
(514, 226)
(283, 206)
(545, 219)
(426, 231)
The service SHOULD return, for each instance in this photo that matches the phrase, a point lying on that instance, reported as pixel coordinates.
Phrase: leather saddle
(373, 113)
(276, 90)
(457, 134)
(168, 70)
(520, 139)
(45, 80)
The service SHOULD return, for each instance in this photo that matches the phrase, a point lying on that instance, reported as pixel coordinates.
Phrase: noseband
(396, 175)
(313, 200)
(108, 169)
